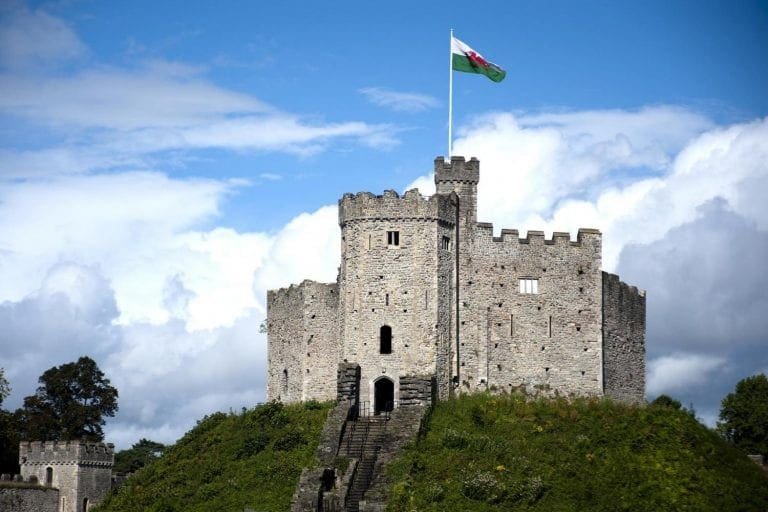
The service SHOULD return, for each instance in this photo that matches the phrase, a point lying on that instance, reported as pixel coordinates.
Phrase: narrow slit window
(550, 326)
(511, 325)
(529, 286)
(393, 238)
(386, 299)
(385, 340)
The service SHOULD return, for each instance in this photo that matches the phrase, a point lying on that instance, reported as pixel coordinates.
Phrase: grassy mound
(228, 462)
(485, 452)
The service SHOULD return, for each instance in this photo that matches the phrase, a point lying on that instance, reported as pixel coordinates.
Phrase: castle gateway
(425, 293)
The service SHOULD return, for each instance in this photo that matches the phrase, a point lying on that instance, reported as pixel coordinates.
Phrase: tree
(744, 415)
(9, 437)
(667, 401)
(71, 403)
(137, 456)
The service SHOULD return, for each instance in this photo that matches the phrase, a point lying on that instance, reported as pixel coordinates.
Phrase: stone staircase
(362, 441)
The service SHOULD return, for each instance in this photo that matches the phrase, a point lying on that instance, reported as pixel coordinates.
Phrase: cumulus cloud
(677, 372)
(635, 175)
(399, 101)
(116, 267)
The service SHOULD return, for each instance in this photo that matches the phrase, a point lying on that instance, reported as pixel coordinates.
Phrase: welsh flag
(466, 59)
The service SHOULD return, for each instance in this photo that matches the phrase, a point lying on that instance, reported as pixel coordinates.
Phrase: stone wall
(39, 499)
(543, 342)
(81, 471)
(623, 340)
(417, 390)
(303, 349)
(285, 346)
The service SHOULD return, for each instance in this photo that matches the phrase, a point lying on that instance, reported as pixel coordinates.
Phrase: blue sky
(163, 164)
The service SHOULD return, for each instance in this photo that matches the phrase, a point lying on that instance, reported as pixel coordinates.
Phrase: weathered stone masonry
(426, 290)
(78, 473)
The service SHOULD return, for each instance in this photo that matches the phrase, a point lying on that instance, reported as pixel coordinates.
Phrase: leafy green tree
(744, 415)
(70, 403)
(137, 456)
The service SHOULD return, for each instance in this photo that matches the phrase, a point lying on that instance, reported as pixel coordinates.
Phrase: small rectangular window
(393, 238)
(529, 286)
(446, 245)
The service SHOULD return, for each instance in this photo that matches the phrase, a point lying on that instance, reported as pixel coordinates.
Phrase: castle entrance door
(383, 395)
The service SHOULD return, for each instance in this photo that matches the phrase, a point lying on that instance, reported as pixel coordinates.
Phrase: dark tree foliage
(70, 403)
(9, 443)
(137, 456)
(744, 415)
(667, 401)
(9, 432)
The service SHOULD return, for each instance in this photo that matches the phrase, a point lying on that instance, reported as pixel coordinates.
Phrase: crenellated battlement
(484, 232)
(457, 169)
(392, 206)
(65, 452)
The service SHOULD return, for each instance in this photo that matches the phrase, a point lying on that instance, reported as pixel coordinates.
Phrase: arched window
(385, 340)
(285, 380)
(48, 477)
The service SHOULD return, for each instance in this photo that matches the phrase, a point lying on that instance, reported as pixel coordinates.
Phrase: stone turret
(82, 472)
(462, 177)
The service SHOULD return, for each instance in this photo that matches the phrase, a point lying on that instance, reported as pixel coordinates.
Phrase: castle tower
(81, 471)
(460, 176)
(395, 288)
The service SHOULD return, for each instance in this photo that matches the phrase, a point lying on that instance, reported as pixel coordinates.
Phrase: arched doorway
(85, 504)
(383, 395)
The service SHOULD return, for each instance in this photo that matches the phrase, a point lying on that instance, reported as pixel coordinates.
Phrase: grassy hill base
(228, 462)
(483, 453)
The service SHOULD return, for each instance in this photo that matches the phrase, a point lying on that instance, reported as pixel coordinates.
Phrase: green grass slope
(483, 453)
(228, 462)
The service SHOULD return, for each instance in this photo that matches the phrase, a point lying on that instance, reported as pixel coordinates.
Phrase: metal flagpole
(450, 95)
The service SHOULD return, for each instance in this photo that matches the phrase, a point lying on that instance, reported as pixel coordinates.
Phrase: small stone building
(425, 293)
(82, 472)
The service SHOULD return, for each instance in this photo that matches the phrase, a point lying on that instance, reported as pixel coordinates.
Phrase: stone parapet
(457, 169)
(66, 452)
(365, 206)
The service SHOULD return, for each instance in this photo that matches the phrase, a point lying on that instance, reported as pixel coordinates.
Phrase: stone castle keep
(425, 293)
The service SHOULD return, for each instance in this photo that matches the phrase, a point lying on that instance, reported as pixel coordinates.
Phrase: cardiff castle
(427, 294)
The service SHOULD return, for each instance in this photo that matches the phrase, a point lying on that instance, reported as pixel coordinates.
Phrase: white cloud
(678, 372)
(634, 175)
(30, 37)
(92, 117)
(399, 101)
